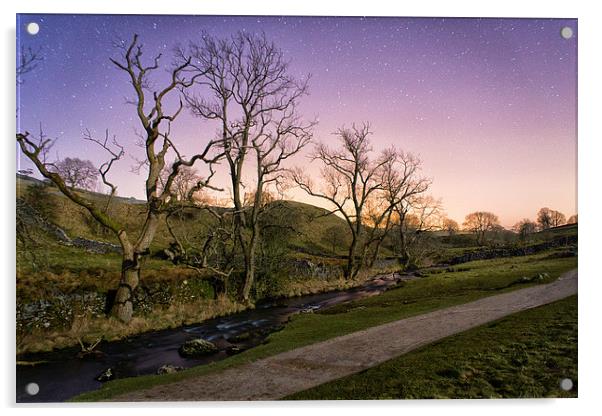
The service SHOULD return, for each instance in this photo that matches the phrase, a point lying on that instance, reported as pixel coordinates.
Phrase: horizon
(488, 104)
(461, 230)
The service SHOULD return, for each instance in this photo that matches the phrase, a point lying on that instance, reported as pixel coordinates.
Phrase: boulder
(197, 348)
(106, 375)
(234, 349)
(309, 309)
(168, 369)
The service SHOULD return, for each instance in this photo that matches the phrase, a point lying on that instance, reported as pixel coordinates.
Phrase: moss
(197, 348)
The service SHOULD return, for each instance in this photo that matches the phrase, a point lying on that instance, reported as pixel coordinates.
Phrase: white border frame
(589, 196)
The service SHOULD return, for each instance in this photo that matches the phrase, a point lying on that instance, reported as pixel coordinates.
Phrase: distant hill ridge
(30, 180)
(310, 230)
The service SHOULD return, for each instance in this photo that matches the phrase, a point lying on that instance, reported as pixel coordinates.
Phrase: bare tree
(525, 228)
(350, 178)
(116, 152)
(183, 183)
(377, 218)
(548, 218)
(401, 183)
(450, 226)
(426, 212)
(244, 84)
(544, 218)
(557, 218)
(498, 234)
(209, 252)
(402, 187)
(76, 173)
(28, 61)
(572, 219)
(480, 223)
(416, 217)
(157, 143)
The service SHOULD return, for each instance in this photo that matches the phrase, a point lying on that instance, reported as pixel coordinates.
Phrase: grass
(312, 232)
(437, 290)
(561, 231)
(45, 266)
(72, 266)
(524, 355)
(88, 329)
(60, 259)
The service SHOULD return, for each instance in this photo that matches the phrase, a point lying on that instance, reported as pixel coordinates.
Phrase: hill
(560, 231)
(311, 225)
(54, 223)
(68, 266)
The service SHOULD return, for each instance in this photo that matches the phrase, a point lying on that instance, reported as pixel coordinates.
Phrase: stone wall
(487, 254)
(30, 217)
(96, 247)
(59, 309)
(319, 270)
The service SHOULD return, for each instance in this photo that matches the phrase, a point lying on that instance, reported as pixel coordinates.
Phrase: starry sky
(488, 104)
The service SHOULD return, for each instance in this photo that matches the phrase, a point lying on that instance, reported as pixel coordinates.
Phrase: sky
(489, 105)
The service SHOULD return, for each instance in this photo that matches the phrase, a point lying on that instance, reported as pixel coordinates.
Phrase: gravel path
(289, 372)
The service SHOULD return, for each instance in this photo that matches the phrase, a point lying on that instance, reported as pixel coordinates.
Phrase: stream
(63, 375)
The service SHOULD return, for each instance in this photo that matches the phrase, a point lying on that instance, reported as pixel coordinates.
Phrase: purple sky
(488, 104)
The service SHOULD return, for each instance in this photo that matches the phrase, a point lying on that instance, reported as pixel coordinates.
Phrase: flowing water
(63, 375)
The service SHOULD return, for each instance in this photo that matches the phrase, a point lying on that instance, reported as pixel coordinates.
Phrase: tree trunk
(219, 286)
(480, 238)
(249, 279)
(350, 268)
(375, 252)
(250, 263)
(404, 255)
(123, 307)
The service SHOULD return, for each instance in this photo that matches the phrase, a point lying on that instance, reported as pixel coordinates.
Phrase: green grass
(60, 258)
(561, 231)
(478, 279)
(524, 355)
(43, 260)
(312, 232)
(65, 269)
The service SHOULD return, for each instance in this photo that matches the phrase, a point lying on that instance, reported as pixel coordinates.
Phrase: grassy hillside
(561, 231)
(306, 229)
(48, 269)
(295, 230)
(311, 230)
(296, 235)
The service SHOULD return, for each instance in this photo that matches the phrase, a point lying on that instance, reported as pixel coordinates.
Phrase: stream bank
(63, 374)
